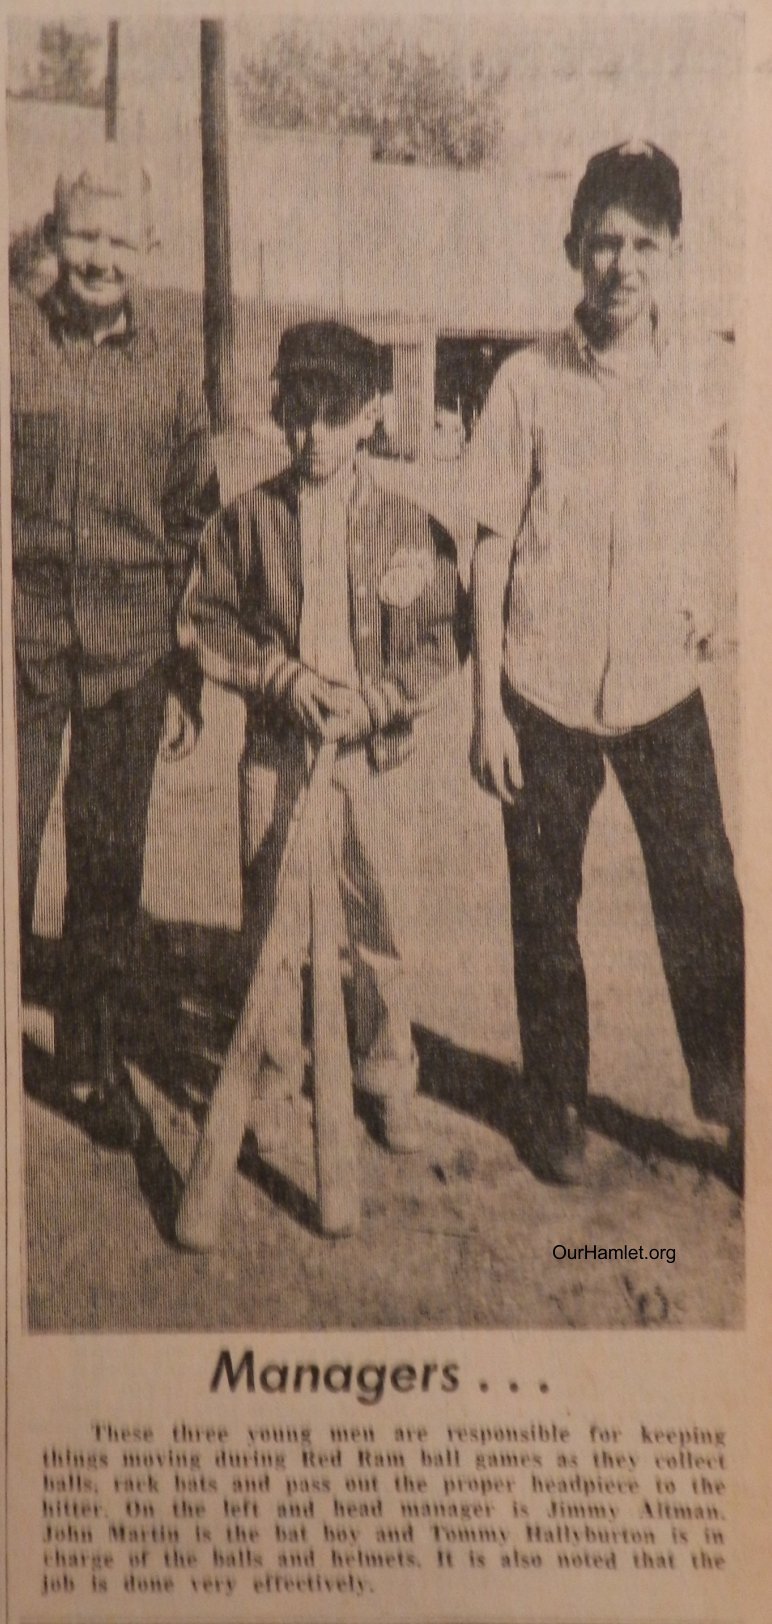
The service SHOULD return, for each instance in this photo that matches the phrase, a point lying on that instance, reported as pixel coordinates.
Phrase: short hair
(114, 174)
(637, 175)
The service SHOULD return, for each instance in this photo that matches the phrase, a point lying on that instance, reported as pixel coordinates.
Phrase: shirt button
(366, 631)
(85, 532)
(361, 591)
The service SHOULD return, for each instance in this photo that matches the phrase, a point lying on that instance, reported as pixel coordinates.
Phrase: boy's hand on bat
(321, 707)
(357, 723)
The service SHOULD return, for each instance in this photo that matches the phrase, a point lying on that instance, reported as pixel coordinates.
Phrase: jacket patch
(409, 572)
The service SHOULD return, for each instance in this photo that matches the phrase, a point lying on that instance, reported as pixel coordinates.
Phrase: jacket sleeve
(190, 477)
(250, 658)
(427, 640)
(424, 646)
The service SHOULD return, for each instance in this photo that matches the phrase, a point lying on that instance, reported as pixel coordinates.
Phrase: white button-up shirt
(611, 478)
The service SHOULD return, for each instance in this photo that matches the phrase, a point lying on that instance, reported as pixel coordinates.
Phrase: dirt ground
(460, 1234)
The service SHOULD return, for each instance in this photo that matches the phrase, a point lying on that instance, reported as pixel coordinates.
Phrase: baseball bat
(217, 1153)
(335, 1150)
(214, 1163)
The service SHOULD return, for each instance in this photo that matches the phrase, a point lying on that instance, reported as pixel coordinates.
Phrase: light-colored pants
(372, 818)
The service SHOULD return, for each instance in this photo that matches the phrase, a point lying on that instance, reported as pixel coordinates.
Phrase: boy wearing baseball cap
(597, 471)
(330, 605)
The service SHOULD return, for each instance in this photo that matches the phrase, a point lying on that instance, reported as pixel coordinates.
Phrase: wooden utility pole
(111, 84)
(218, 283)
(214, 1165)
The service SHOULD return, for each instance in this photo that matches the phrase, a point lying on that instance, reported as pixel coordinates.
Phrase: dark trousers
(667, 775)
(113, 749)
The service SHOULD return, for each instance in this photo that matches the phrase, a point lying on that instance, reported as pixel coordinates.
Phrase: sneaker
(400, 1125)
(278, 1107)
(393, 1083)
(560, 1146)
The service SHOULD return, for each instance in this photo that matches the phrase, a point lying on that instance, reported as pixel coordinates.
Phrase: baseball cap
(333, 350)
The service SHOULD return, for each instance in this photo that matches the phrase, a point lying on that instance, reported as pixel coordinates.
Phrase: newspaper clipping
(386, 626)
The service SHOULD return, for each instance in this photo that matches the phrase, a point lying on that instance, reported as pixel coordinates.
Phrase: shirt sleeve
(435, 647)
(721, 531)
(251, 660)
(498, 464)
(710, 597)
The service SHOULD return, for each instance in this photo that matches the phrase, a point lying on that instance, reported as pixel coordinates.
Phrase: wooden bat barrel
(335, 1147)
(213, 1167)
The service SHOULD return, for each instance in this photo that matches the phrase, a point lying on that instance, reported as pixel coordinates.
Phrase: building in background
(449, 267)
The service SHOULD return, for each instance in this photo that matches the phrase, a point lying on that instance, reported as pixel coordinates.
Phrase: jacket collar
(289, 483)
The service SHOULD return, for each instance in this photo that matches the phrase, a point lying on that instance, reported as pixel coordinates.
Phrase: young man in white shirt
(596, 468)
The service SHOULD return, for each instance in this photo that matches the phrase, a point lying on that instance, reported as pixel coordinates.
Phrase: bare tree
(416, 105)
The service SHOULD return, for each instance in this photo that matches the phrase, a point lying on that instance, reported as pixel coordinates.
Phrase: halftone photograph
(373, 389)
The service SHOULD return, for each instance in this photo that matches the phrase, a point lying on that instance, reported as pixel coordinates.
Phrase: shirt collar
(132, 333)
(609, 362)
(347, 487)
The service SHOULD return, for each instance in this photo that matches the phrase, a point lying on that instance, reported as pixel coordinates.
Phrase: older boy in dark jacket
(109, 445)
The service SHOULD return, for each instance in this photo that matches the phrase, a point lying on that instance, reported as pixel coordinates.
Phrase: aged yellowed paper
(386, 623)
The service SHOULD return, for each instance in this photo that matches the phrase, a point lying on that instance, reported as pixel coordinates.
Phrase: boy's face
(324, 426)
(99, 252)
(624, 260)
